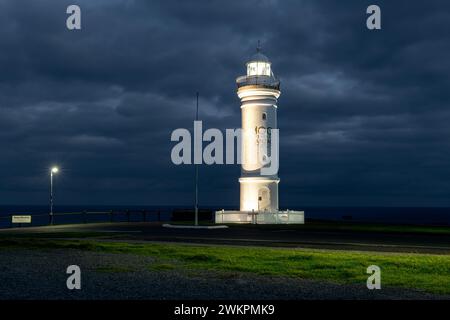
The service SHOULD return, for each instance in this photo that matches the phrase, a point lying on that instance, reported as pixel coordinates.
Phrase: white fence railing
(254, 217)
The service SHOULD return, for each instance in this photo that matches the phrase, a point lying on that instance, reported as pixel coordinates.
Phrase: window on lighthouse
(258, 68)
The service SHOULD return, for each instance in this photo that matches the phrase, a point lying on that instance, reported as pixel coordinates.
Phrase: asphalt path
(250, 235)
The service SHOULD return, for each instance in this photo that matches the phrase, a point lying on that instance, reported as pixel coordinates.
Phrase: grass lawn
(417, 271)
(62, 234)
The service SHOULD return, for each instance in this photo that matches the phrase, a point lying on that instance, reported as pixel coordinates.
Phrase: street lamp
(53, 171)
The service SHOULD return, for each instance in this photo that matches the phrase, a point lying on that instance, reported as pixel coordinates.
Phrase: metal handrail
(65, 213)
(142, 213)
(265, 81)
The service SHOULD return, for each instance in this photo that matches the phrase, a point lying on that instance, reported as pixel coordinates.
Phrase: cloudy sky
(364, 115)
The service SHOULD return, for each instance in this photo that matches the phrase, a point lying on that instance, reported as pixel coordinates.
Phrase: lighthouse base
(253, 217)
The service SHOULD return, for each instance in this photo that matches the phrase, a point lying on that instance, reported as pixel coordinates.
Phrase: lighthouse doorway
(263, 199)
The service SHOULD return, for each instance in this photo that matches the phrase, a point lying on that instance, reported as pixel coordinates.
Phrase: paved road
(269, 237)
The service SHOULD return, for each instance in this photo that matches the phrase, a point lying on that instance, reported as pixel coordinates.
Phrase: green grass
(60, 234)
(416, 271)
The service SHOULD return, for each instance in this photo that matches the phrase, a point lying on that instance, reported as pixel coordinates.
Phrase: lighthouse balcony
(258, 81)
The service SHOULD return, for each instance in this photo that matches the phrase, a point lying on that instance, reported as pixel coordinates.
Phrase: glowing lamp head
(55, 170)
(259, 65)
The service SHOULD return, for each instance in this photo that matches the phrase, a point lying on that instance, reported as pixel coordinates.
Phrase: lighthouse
(258, 91)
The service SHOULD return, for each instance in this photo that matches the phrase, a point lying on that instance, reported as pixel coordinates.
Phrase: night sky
(364, 116)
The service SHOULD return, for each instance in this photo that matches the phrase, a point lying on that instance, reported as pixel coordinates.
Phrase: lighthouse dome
(259, 57)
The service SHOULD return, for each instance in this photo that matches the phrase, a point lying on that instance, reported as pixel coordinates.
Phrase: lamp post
(53, 171)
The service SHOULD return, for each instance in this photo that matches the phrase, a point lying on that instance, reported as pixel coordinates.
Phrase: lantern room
(259, 65)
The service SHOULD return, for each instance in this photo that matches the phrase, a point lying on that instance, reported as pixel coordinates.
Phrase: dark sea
(73, 214)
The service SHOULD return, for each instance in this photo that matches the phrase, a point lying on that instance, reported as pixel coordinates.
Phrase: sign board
(21, 219)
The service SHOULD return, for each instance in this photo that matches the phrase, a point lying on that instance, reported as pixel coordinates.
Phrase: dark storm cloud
(363, 114)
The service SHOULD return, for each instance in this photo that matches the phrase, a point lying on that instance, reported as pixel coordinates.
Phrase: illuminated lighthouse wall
(259, 91)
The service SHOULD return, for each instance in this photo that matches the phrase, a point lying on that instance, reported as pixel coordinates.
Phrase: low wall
(279, 217)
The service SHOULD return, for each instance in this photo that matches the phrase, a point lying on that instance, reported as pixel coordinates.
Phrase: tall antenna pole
(196, 176)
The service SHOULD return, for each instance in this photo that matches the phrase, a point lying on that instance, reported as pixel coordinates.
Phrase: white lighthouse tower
(259, 91)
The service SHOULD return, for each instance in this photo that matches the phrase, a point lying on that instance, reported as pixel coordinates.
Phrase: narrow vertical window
(264, 116)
